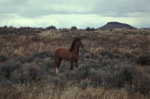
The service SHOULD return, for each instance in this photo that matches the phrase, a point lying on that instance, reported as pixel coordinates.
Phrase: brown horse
(71, 54)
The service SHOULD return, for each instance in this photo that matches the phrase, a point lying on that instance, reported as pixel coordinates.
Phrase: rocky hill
(116, 25)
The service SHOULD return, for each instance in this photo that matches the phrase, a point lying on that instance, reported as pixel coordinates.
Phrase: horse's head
(76, 42)
(79, 43)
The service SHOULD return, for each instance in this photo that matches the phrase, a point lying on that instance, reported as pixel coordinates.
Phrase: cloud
(11, 6)
(121, 8)
(67, 13)
(68, 20)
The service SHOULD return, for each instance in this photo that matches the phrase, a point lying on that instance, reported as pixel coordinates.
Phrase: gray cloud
(121, 8)
(11, 6)
(13, 11)
(104, 7)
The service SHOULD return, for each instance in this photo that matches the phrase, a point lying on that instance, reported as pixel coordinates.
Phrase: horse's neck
(76, 50)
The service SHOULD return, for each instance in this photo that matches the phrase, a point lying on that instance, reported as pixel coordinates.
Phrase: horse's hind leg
(71, 65)
(76, 63)
(57, 64)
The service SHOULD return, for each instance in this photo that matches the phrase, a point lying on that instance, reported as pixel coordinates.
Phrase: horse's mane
(73, 44)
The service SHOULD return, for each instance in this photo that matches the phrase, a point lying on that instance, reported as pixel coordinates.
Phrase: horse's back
(59, 50)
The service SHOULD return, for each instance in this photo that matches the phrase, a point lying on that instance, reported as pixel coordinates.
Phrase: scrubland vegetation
(115, 64)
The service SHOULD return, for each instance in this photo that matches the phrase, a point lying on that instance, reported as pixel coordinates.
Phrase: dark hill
(116, 25)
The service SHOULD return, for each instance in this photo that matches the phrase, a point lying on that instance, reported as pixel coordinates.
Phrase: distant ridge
(117, 25)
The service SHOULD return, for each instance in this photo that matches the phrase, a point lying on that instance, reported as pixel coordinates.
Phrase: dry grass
(50, 92)
(118, 42)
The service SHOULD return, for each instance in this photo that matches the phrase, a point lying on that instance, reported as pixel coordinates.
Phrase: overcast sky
(80, 13)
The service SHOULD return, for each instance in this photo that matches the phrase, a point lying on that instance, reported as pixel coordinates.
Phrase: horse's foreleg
(57, 64)
(71, 65)
(76, 63)
(57, 71)
(57, 67)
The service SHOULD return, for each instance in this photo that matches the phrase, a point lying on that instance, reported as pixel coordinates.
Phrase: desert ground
(114, 64)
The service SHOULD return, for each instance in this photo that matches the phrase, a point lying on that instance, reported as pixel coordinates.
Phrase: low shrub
(25, 59)
(20, 76)
(84, 72)
(83, 51)
(142, 83)
(85, 55)
(3, 58)
(108, 54)
(43, 55)
(143, 60)
(36, 73)
(7, 68)
(24, 73)
(126, 75)
(42, 63)
(89, 29)
(73, 28)
(128, 56)
(48, 67)
(27, 74)
(51, 28)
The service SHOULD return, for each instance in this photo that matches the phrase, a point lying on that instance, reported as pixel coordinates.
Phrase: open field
(114, 64)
